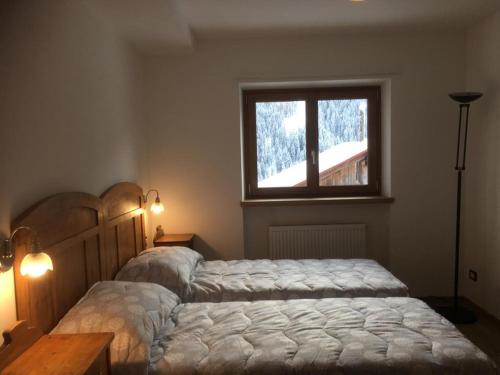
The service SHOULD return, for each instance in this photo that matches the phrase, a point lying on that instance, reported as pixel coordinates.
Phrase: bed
(90, 238)
(156, 334)
(185, 272)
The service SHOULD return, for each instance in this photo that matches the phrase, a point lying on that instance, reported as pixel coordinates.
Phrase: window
(314, 142)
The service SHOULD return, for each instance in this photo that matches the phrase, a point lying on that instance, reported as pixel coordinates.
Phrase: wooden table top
(184, 237)
(60, 354)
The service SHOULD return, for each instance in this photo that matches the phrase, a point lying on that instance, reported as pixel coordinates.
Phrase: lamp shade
(36, 264)
(465, 97)
(157, 207)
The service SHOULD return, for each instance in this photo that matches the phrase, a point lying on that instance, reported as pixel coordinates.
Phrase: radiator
(317, 241)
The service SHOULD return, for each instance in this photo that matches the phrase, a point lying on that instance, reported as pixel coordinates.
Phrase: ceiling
(146, 23)
(220, 17)
(175, 22)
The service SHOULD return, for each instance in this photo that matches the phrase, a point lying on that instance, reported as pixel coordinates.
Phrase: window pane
(281, 144)
(342, 142)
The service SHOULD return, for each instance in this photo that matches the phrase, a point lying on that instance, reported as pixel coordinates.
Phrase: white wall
(194, 137)
(482, 177)
(67, 110)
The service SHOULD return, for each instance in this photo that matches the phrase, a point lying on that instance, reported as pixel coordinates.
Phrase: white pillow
(171, 267)
(137, 313)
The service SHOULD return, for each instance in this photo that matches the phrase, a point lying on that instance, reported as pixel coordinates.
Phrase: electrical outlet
(473, 275)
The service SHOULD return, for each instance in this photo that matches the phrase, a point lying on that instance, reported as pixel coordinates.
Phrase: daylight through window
(312, 142)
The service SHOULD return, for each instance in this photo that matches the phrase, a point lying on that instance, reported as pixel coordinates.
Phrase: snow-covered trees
(340, 121)
(279, 147)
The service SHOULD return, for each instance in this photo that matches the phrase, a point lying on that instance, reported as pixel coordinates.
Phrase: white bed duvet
(184, 271)
(156, 334)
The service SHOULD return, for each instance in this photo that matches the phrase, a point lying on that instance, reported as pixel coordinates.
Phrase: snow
(328, 159)
(297, 120)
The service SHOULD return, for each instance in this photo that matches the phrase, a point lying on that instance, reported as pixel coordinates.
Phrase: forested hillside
(279, 147)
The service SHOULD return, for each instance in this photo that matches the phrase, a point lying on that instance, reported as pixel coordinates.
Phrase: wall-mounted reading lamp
(157, 207)
(34, 264)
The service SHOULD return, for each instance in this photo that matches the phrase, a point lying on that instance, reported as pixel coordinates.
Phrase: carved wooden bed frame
(88, 238)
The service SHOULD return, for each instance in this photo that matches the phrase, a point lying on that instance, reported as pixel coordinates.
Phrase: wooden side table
(76, 354)
(185, 239)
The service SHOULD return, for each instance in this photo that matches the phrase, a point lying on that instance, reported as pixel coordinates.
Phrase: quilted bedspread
(311, 337)
(244, 280)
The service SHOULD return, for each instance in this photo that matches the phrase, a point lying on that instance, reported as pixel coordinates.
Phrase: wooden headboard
(124, 225)
(88, 239)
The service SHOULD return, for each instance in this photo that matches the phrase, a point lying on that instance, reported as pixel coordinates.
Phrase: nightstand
(76, 354)
(175, 240)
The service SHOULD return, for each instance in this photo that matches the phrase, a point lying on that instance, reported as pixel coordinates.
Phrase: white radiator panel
(317, 241)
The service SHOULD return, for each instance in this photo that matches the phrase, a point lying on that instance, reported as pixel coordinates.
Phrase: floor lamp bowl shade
(465, 97)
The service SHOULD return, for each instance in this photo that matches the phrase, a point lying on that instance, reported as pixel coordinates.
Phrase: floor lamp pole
(459, 168)
(456, 313)
(457, 239)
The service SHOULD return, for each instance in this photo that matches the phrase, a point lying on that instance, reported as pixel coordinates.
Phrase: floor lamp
(456, 313)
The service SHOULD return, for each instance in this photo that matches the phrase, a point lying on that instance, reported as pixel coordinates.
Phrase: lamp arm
(459, 136)
(19, 229)
(145, 197)
(467, 109)
(465, 129)
(6, 253)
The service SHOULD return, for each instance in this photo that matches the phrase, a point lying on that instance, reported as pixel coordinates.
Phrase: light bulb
(36, 264)
(157, 207)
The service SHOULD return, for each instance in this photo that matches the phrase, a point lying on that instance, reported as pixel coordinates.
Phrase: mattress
(326, 336)
(187, 274)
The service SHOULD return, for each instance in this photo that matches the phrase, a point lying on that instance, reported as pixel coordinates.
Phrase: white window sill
(315, 201)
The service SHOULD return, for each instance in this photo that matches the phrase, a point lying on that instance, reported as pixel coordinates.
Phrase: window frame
(311, 96)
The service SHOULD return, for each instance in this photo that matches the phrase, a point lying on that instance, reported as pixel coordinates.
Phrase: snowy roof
(330, 158)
